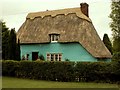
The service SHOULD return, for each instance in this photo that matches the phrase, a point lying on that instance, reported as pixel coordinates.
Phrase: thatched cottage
(59, 35)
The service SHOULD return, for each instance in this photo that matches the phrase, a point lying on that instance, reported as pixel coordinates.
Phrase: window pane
(48, 56)
(60, 57)
(56, 57)
(52, 57)
(54, 37)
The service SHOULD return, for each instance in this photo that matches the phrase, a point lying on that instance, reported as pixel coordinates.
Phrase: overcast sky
(14, 12)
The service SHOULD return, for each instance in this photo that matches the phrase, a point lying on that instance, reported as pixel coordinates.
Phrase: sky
(14, 12)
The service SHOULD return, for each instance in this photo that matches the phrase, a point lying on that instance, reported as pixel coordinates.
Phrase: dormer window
(54, 37)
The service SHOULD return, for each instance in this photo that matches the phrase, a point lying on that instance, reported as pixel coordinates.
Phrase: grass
(0, 82)
(10, 82)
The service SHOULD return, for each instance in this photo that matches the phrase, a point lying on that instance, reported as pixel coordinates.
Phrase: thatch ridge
(53, 13)
(71, 28)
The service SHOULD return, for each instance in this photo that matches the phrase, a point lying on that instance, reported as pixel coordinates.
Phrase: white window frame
(51, 56)
(54, 37)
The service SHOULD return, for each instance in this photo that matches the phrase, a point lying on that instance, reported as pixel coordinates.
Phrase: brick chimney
(84, 8)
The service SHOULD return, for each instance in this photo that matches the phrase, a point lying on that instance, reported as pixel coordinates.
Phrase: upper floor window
(54, 37)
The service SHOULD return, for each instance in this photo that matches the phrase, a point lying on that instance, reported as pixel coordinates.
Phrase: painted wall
(71, 51)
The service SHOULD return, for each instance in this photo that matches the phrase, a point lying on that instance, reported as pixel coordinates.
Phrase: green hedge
(98, 71)
(63, 71)
(116, 56)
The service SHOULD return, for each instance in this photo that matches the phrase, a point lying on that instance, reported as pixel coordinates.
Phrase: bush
(25, 69)
(116, 56)
(9, 67)
(55, 71)
(63, 71)
(41, 57)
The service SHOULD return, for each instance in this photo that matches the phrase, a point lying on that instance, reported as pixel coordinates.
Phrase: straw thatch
(71, 24)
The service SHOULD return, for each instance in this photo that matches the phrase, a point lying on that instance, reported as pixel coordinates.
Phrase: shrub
(24, 70)
(41, 57)
(116, 56)
(9, 67)
(63, 71)
(67, 59)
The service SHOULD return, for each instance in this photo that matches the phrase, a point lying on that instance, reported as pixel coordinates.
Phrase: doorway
(34, 55)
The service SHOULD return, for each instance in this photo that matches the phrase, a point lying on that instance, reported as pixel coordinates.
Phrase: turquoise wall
(71, 51)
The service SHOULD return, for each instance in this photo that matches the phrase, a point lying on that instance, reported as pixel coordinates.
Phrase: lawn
(10, 82)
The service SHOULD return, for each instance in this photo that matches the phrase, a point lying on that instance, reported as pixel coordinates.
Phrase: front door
(34, 55)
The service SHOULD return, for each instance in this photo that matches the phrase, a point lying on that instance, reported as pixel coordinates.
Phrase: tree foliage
(10, 49)
(18, 51)
(116, 44)
(12, 45)
(5, 41)
(107, 42)
(0, 40)
(115, 24)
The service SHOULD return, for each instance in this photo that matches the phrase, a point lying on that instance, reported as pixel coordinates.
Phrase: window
(54, 57)
(48, 57)
(54, 37)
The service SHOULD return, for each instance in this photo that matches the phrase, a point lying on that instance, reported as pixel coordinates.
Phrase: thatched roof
(53, 13)
(71, 24)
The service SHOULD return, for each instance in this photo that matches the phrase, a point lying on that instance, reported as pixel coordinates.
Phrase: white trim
(59, 56)
(54, 37)
(54, 41)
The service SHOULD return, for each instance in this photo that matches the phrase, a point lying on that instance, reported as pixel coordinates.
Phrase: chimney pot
(84, 8)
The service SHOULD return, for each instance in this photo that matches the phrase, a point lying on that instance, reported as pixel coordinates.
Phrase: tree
(12, 45)
(107, 42)
(0, 40)
(115, 24)
(10, 49)
(5, 41)
(18, 51)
